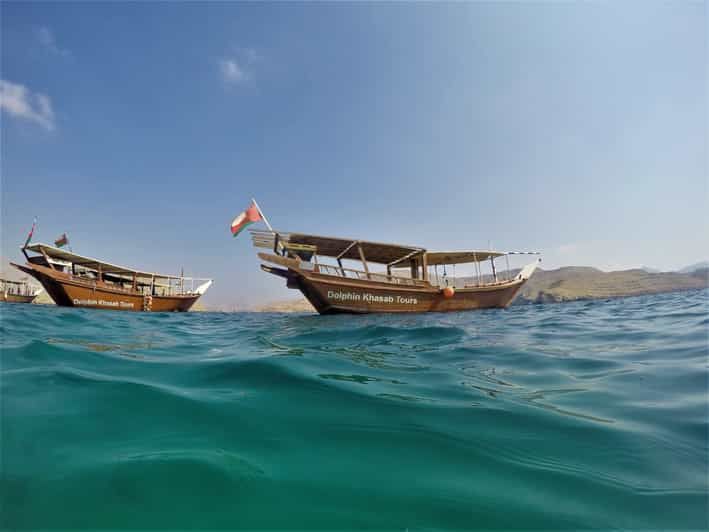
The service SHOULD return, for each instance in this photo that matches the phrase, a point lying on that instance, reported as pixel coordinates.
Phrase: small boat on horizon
(73, 280)
(18, 291)
(333, 288)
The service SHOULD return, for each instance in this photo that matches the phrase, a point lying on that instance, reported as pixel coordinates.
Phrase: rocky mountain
(573, 283)
(703, 265)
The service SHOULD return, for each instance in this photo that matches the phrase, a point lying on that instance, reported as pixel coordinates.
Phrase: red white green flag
(29, 237)
(61, 241)
(245, 219)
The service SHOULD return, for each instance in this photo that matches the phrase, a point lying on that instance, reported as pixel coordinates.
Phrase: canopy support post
(364, 260)
(344, 251)
(405, 257)
(45, 258)
(477, 268)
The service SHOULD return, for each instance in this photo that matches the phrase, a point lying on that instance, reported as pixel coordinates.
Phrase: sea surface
(560, 416)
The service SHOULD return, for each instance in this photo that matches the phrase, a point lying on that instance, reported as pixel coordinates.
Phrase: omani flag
(246, 218)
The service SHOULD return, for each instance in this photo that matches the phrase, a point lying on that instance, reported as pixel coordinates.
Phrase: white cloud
(238, 67)
(17, 100)
(232, 72)
(45, 36)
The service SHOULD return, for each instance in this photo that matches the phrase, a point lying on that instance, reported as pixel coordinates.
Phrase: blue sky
(579, 129)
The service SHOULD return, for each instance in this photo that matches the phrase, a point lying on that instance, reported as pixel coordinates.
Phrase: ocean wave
(581, 415)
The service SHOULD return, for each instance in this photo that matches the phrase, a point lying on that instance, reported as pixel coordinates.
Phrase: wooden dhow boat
(333, 288)
(73, 280)
(18, 291)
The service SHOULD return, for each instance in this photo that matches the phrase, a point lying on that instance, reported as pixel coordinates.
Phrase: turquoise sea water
(578, 415)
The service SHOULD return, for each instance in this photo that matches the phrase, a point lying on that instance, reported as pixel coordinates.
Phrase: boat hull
(333, 295)
(14, 298)
(68, 291)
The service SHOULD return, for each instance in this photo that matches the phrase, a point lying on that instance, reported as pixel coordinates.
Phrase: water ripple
(581, 415)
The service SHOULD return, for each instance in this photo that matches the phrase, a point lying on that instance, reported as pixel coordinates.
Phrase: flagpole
(29, 238)
(265, 220)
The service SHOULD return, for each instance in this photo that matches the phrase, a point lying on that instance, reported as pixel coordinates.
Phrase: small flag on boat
(246, 218)
(29, 237)
(61, 241)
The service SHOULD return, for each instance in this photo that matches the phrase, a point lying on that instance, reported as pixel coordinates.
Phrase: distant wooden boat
(73, 280)
(18, 291)
(332, 288)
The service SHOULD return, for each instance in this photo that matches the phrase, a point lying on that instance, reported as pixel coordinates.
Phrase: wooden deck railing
(16, 290)
(349, 273)
(143, 289)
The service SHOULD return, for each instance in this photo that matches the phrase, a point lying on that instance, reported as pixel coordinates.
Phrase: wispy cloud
(237, 68)
(232, 72)
(45, 37)
(17, 100)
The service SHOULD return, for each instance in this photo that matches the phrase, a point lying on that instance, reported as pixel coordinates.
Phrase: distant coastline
(583, 283)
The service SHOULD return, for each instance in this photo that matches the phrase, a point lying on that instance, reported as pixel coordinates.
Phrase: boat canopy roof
(94, 264)
(434, 258)
(460, 257)
(377, 252)
(340, 248)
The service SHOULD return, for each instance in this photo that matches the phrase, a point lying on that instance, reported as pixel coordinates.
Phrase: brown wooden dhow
(333, 288)
(18, 291)
(73, 280)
